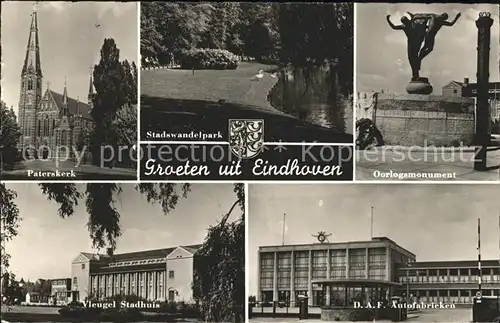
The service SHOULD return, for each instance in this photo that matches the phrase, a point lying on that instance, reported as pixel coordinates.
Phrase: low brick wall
(425, 120)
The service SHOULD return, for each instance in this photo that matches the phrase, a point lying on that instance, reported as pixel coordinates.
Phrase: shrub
(184, 310)
(210, 59)
(190, 311)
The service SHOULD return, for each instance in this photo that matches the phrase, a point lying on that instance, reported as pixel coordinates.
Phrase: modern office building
(60, 291)
(153, 275)
(450, 281)
(287, 271)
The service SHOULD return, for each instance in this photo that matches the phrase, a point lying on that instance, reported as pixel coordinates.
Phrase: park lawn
(233, 86)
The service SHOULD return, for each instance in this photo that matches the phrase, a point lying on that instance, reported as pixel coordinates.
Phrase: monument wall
(425, 120)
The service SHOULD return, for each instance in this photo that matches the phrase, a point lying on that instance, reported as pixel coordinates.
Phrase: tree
(260, 40)
(125, 125)
(115, 83)
(11, 288)
(182, 25)
(9, 135)
(219, 282)
(219, 271)
(99, 198)
(10, 221)
(151, 38)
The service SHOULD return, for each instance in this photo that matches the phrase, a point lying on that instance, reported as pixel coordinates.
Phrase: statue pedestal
(425, 120)
(419, 85)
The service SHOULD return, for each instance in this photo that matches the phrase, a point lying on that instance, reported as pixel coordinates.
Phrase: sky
(47, 244)
(70, 42)
(382, 62)
(434, 221)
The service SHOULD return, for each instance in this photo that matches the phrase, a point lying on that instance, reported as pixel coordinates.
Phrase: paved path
(445, 315)
(384, 164)
(435, 315)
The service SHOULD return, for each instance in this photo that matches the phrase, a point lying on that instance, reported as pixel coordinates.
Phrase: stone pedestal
(419, 85)
(425, 120)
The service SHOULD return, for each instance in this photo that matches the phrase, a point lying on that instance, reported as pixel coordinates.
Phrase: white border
(272, 143)
(354, 86)
(138, 65)
(247, 256)
(280, 182)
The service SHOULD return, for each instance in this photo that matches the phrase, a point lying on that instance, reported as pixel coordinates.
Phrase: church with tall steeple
(50, 119)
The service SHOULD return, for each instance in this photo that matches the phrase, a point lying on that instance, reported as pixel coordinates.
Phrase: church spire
(65, 93)
(32, 59)
(65, 109)
(31, 88)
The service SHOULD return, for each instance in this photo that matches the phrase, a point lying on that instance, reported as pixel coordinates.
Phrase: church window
(39, 128)
(30, 84)
(53, 124)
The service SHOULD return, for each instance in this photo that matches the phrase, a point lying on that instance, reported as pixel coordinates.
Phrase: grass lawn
(50, 314)
(176, 101)
(233, 86)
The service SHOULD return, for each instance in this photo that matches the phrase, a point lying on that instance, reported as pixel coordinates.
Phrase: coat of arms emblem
(246, 137)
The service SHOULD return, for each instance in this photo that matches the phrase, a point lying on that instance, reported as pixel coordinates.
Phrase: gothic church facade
(50, 120)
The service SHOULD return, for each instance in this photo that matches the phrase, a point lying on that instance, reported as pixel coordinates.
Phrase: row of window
(452, 293)
(149, 285)
(137, 262)
(301, 277)
(319, 258)
(449, 279)
(452, 272)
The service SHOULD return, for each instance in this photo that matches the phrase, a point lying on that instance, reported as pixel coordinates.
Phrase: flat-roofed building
(287, 271)
(153, 275)
(450, 281)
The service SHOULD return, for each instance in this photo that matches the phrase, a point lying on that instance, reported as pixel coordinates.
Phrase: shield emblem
(246, 137)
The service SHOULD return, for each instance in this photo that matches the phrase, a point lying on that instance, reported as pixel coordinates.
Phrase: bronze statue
(435, 23)
(421, 31)
(415, 31)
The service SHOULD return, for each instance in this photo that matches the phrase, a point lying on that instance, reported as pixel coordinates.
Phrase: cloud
(52, 6)
(116, 8)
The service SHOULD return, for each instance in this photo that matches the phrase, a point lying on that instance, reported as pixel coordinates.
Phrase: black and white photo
(365, 252)
(69, 90)
(428, 91)
(238, 87)
(123, 252)
(288, 64)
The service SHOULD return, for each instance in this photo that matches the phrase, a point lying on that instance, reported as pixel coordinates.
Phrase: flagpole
(480, 274)
(371, 225)
(283, 234)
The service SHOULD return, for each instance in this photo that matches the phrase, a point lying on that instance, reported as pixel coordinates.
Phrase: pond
(310, 94)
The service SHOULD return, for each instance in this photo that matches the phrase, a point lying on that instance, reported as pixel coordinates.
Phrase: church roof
(73, 105)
